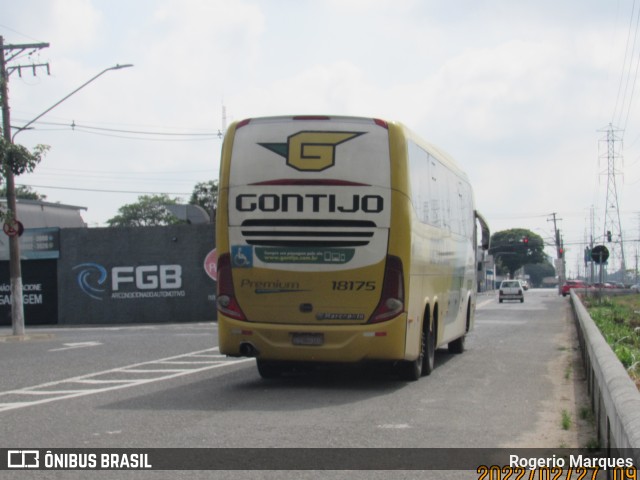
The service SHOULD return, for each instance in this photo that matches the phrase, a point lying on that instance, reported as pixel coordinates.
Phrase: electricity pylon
(612, 231)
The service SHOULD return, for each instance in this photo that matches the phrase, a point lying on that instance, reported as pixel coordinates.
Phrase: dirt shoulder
(570, 404)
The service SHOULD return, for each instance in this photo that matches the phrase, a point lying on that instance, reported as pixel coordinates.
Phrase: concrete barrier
(614, 397)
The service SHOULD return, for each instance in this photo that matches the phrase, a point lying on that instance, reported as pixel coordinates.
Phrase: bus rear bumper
(313, 343)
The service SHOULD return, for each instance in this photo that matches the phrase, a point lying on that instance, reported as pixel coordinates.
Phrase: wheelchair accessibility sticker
(242, 256)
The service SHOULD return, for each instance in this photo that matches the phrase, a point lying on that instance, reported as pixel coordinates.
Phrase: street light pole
(17, 305)
(27, 125)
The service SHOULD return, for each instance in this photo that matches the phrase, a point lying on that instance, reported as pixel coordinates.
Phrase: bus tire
(457, 346)
(412, 370)
(429, 360)
(268, 369)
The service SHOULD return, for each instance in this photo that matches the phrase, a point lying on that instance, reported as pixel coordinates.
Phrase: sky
(519, 93)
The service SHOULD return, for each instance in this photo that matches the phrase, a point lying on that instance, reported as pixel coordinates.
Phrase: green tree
(538, 272)
(25, 192)
(19, 160)
(515, 248)
(149, 210)
(205, 194)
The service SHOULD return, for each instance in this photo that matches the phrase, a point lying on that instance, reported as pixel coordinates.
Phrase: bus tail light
(392, 299)
(227, 302)
(381, 123)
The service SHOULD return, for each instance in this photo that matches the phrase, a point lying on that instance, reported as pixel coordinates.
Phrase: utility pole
(559, 253)
(17, 305)
(591, 244)
(637, 245)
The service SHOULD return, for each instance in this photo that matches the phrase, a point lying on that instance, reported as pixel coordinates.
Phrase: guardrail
(614, 397)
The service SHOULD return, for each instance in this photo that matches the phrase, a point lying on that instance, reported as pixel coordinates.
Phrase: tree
(515, 248)
(538, 272)
(149, 210)
(205, 194)
(24, 192)
(19, 160)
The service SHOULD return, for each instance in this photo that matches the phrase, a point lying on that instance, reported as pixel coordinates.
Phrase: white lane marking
(485, 302)
(180, 362)
(71, 346)
(90, 381)
(72, 387)
(507, 321)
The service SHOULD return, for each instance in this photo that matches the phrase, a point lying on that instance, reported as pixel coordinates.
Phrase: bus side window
(434, 193)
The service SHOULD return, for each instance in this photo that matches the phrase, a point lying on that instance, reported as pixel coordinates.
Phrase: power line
(19, 33)
(98, 190)
(210, 135)
(121, 177)
(120, 172)
(624, 68)
(112, 135)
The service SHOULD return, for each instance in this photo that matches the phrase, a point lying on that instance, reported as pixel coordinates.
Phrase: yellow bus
(342, 239)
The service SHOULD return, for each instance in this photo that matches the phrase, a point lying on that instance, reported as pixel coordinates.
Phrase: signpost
(600, 255)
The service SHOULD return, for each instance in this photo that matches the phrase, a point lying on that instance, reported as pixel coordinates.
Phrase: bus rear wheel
(412, 370)
(457, 346)
(268, 369)
(430, 353)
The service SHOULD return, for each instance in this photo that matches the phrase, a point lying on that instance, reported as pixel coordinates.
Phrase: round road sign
(600, 254)
(13, 228)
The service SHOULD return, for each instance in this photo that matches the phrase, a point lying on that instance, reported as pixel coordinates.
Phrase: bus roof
(434, 150)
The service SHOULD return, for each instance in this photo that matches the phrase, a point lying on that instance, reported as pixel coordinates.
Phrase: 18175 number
(353, 285)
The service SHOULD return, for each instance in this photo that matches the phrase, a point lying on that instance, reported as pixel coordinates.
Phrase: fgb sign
(142, 281)
(147, 277)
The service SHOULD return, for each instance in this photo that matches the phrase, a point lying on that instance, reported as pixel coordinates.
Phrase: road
(167, 386)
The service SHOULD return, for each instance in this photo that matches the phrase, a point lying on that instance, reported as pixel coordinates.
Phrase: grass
(618, 318)
(593, 444)
(586, 414)
(567, 372)
(566, 420)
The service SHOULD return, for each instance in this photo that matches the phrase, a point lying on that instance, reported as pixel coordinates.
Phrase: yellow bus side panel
(400, 236)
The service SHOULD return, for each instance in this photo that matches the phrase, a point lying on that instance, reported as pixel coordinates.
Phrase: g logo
(91, 279)
(315, 151)
(311, 151)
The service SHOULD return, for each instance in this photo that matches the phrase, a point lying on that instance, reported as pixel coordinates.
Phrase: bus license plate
(307, 338)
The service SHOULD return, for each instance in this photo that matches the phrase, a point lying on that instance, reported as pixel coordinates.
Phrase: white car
(511, 290)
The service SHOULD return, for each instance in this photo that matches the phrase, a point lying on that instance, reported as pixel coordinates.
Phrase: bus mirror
(486, 233)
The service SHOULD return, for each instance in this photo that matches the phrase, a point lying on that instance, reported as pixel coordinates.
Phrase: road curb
(25, 338)
(614, 397)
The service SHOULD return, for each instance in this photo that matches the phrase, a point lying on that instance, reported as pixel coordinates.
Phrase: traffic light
(608, 235)
(560, 252)
(525, 240)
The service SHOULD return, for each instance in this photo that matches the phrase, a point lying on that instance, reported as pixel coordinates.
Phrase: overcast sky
(518, 92)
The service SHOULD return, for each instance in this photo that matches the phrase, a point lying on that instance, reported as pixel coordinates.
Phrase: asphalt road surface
(166, 386)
